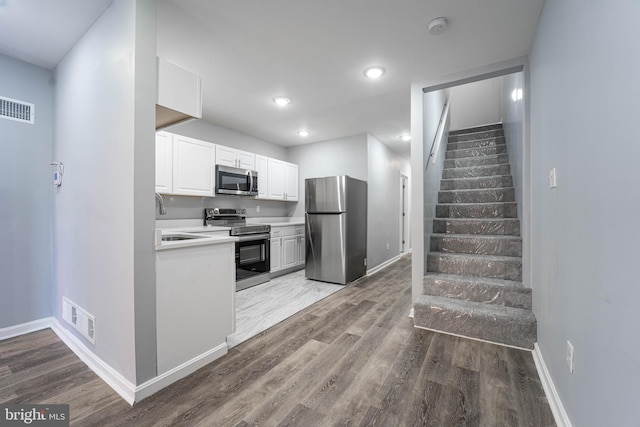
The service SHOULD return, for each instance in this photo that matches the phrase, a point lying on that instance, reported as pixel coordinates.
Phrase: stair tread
(478, 236)
(476, 129)
(471, 178)
(480, 280)
(476, 256)
(469, 190)
(475, 219)
(499, 312)
(480, 166)
(449, 150)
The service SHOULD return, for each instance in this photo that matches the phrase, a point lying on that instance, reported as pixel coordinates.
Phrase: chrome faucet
(163, 211)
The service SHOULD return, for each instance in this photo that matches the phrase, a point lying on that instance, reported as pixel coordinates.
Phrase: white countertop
(201, 239)
(277, 221)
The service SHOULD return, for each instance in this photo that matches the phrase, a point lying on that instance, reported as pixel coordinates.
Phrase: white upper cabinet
(291, 182)
(227, 156)
(193, 167)
(164, 162)
(179, 94)
(282, 182)
(186, 166)
(275, 181)
(263, 176)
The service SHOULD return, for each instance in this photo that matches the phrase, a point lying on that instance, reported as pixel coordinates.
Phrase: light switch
(553, 181)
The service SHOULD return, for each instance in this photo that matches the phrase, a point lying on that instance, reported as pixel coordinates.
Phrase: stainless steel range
(253, 264)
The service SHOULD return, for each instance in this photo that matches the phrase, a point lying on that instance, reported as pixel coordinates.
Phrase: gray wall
(384, 167)
(475, 104)
(104, 258)
(185, 207)
(584, 110)
(433, 105)
(345, 156)
(26, 189)
(426, 110)
(514, 125)
(361, 157)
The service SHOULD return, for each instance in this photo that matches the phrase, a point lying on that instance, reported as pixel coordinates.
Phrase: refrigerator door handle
(308, 224)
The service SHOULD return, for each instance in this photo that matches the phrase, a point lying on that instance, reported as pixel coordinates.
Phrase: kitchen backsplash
(184, 207)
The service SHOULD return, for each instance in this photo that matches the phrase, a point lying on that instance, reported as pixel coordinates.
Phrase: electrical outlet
(258, 208)
(570, 356)
(553, 180)
(387, 245)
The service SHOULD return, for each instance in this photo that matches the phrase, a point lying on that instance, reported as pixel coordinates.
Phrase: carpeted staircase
(473, 286)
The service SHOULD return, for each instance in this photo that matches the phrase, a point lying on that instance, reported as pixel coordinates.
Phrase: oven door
(253, 262)
(241, 182)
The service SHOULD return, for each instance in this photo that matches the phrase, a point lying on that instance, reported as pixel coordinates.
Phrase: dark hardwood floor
(352, 359)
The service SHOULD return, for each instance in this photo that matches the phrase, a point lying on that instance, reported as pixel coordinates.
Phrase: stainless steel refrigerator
(336, 229)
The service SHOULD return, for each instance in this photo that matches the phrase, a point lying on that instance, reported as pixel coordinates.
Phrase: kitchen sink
(175, 238)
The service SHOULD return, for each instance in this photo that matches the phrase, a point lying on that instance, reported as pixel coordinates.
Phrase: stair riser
(496, 227)
(478, 267)
(482, 246)
(476, 161)
(495, 126)
(476, 183)
(478, 292)
(507, 210)
(476, 143)
(476, 135)
(474, 172)
(468, 324)
(476, 152)
(477, 196)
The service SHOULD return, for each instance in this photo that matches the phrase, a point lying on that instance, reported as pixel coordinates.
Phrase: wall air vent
(20, 111)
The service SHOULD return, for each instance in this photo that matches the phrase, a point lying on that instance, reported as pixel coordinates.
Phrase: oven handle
(248, 237)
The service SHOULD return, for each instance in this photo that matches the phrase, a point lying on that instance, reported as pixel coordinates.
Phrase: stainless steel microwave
(236, 181)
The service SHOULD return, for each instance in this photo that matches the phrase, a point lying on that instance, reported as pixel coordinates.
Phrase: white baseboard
(383, 265)
(559, 413)
(148, 388)
(125, 388)
(25, 328)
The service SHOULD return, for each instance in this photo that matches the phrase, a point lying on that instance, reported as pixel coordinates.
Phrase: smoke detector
(438, 26)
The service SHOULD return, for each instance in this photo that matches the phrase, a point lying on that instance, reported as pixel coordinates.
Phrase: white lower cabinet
(276, 253)
(287, 247)
(195, 291)
(290, 251)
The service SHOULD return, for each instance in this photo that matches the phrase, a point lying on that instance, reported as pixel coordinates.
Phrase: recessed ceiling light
(303, 133)
(374, 72)
(405, 137)
(282, 101)
(438, 26)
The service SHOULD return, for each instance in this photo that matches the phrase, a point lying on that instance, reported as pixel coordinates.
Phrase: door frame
(404, 242)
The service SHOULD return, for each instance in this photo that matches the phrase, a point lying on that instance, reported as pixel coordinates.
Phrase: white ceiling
(41, 32)
(312, 51)
(315, 52)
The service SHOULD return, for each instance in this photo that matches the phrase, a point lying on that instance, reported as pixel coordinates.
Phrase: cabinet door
(246, 160)
(291, 182)
(263, 176)
(289, 251)
(164, 162)
(275, 184)
(276, 254)
(301, 249)
(193, 167)
(226, 156)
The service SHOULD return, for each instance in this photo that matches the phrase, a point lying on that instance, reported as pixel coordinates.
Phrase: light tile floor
(260, 307)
